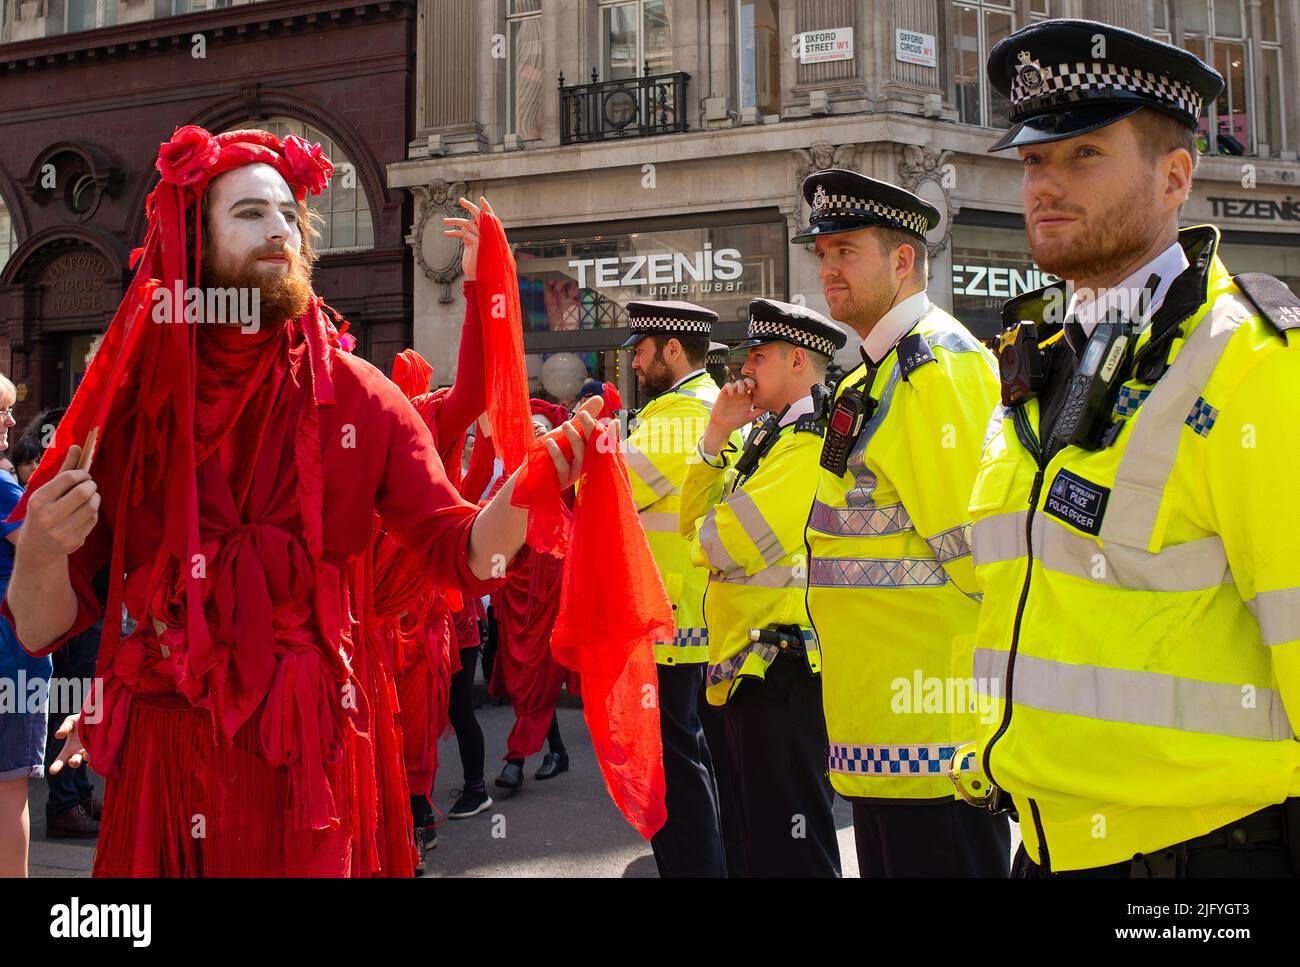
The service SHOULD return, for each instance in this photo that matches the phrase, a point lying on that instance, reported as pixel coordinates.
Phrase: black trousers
(776, 746)
(74, 661)
(460, 711)
(714, 721)
(948, 838)
(690, 842)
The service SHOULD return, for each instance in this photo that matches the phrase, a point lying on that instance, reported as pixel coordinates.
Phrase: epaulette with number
(1271, 298)
(810, 423)
(913, 353)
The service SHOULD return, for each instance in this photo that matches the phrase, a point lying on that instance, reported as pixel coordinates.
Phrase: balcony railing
(636, 107)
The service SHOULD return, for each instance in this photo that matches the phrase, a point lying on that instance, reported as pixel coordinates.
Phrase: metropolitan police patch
(1080, 503)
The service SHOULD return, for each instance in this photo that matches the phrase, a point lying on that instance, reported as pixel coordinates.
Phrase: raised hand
(585, 421)
(467, 230)
(61, 513)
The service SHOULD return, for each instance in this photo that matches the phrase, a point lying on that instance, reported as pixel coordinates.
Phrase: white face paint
(253, 222)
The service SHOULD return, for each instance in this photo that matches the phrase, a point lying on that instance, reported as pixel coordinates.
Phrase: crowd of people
(953, 589)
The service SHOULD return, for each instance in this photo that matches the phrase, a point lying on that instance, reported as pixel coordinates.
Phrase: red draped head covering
(159, 364)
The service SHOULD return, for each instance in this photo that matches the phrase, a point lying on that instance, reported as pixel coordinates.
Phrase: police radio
(849, 413)
(760, 441)
(1020, 364)
(1085, 415)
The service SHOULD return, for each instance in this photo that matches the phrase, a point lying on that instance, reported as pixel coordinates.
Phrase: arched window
(8, 235)
(346, 223)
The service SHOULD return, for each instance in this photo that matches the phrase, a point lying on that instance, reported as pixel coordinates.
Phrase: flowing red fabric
(504, 373)
(613, 606)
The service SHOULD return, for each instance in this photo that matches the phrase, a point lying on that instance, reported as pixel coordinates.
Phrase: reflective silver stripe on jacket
(658, 522)
(1152, 447)
(778, 576)
(950, 544)
(875, 572)
(755, 526)
(1278, 615)
(1136, 697)
(717, 553)
(641, 465)
(859, 521)
(1193, 566)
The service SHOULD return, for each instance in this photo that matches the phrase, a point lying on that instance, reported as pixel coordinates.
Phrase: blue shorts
(24, 694)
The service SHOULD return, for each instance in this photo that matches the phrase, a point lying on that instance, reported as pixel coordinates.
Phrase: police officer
(1135, 525)
(891, 588)
(716, 362)
(670, 341)
(744, 514)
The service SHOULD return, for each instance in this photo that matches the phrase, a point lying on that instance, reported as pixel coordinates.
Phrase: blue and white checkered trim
(1202, 417)
(1129, 399)
(686, 637)
(891, 760)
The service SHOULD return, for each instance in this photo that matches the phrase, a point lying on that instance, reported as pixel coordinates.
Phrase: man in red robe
(524, 669)
(230, 725)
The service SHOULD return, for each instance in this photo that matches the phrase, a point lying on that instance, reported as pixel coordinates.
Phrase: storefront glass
(990, 266)
(574, 291)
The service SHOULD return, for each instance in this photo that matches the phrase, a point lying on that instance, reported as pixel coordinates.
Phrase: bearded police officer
(1135, 530)
(670, 341)
(744, 514)
(891, 588)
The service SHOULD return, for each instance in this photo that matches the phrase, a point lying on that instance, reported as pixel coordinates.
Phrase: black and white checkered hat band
(1035, 87)
(766, 329)
(670, 324)
(835, 206)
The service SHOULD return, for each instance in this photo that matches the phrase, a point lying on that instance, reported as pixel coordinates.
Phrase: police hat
(1068, 77)
(717, 354)
(845, 201)
(667, 319)
(772, 321)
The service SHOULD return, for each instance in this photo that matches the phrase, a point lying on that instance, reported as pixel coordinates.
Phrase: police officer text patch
(1080, 503)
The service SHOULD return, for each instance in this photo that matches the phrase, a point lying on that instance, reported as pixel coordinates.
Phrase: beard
(657, 377)
(1110, 239)
(279, 298)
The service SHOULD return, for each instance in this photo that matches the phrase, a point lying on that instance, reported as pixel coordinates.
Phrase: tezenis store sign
(665, 273)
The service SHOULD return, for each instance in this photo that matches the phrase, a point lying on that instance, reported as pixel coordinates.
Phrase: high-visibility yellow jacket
(1139, 642)
(660, 446)
(891, 588)
(748, 534)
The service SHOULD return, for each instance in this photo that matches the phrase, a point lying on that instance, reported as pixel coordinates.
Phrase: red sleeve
(419, 505)
(467, 399)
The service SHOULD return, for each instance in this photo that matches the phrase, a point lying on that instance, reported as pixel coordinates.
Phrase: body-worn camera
(1020, 364)
(1085, 415)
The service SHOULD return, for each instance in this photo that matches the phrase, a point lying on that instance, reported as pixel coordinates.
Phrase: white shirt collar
(894, 325)
(686, 379)
(1126, 296)
(797, 409)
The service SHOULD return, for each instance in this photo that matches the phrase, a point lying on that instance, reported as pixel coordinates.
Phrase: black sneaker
(419, 850)
(471, 802)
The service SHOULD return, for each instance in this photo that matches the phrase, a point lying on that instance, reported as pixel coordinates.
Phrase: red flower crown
(194, 156)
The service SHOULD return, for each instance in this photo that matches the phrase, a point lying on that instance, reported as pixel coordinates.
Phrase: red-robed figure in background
(412, 621)
(526, 607)
(238, 462)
